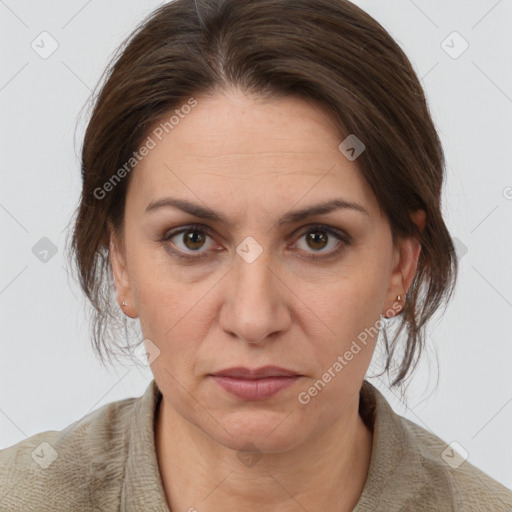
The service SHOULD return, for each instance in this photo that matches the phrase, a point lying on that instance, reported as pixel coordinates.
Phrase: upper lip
(256, 373)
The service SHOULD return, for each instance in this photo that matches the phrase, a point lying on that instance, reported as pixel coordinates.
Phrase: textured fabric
(106, 462)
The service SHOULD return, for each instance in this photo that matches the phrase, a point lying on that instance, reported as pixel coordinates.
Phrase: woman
(261, 190)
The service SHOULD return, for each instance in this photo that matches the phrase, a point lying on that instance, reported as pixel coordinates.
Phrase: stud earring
(124, 303)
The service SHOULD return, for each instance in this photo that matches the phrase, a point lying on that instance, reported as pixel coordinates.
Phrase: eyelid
(338, 233)
(187, 227)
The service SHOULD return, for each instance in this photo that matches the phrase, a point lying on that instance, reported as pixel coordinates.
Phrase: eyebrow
(289, 218)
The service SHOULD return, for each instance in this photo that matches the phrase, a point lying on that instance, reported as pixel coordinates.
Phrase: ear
(405, 264)
(121, 276)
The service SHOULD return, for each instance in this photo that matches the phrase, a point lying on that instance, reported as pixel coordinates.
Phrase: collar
(142, 485)
(395, 458)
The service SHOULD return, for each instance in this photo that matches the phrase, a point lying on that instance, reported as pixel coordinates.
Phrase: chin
(268, 433)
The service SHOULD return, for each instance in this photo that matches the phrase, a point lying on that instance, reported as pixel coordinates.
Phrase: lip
(241, 372)
(255, 389)
(255, 384)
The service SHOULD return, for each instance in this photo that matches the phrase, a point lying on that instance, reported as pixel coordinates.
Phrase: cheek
(350, 309)
(168, 312)
(171, 318)
(160, 296)
(354, 298)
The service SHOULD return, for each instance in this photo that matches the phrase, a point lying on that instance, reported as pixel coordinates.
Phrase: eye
(191, 239)
(188, 239)
(318, 237)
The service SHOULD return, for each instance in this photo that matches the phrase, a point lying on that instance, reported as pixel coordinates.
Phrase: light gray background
(49, 376)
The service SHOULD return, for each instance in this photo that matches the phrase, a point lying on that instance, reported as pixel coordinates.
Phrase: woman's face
(266, 287)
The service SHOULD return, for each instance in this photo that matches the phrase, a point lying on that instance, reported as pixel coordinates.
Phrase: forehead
(232, 149)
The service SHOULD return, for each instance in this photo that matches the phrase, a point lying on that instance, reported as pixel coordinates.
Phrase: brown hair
(328, 51)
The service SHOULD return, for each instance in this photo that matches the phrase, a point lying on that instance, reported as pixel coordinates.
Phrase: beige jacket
(106, 462)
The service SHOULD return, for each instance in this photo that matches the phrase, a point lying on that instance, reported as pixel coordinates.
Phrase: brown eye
(193, 239)
(188, 243)
(317, 239)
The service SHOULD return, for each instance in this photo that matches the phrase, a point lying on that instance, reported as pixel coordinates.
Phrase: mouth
(240, 372)
(255, 384)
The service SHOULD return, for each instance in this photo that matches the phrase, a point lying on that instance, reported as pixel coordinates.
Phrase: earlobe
(405, 265)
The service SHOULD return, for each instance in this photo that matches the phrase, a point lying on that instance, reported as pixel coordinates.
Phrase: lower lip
(254, 389)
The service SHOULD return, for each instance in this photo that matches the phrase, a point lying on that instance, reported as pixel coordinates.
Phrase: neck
(326, 473)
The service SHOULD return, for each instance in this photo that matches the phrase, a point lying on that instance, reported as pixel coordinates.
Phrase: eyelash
(342, 237)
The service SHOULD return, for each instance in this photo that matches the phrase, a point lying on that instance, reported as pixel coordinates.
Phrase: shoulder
(447, 467)
(77, 468)
(414, 469)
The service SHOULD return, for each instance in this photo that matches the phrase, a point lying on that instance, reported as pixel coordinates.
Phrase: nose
(254, 308)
